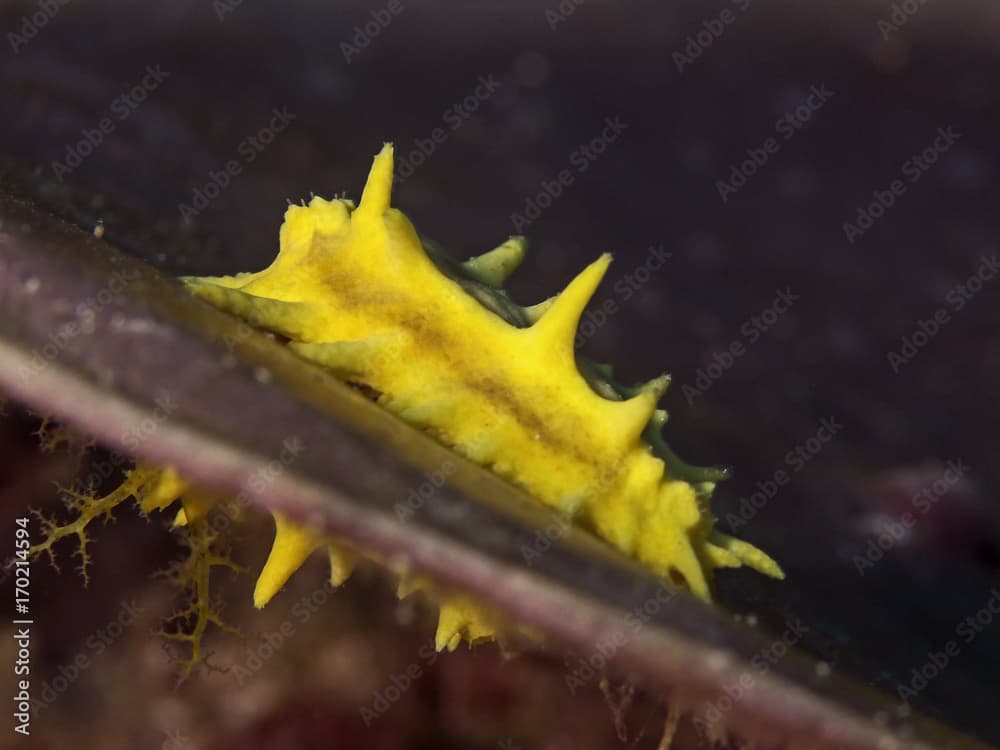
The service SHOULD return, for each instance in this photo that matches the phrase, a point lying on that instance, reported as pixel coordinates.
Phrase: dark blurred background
(822, 108)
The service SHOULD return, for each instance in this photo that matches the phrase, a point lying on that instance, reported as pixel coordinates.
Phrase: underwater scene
(571, 375)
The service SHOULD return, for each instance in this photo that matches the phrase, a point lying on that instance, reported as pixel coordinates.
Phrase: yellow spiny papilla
(354, 290)
(294, 543)
(460, 618)
(160, 488)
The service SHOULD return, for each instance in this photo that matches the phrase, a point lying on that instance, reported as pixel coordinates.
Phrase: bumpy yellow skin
(354, 290)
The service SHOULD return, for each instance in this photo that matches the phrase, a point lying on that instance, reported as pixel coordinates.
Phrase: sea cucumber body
(354, 290)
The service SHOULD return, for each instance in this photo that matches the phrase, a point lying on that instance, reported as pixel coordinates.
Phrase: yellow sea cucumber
(355, 289)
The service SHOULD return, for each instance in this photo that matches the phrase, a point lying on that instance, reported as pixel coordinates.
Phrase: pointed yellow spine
(293, 544)
(555, 331)
(376, 196)
(495, 266)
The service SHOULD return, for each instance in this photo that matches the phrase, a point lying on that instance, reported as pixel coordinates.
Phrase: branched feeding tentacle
(87, 508)
(194, 577)
(156, 489)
